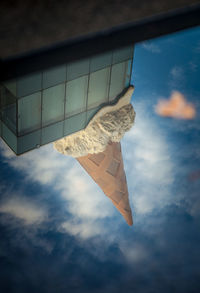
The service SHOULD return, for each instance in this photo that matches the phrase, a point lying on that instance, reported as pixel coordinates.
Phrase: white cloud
(86, 200)
(83, 229)
(151, 47)
(177, 73)
(24, 210)
(83, 198)
(134, 252)
(148, 164)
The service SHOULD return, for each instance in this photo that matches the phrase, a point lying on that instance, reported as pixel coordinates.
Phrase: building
(46, 106)
(42, 107)
(72, 54)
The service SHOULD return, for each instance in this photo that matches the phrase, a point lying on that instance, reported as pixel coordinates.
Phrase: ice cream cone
(107, 170)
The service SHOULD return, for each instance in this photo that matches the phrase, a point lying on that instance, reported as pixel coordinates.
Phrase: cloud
(81, 197)
(177, 77)
(176, 107)
(24, 210)
(148, 164)
(177, 73)
(134, 253)
(151, 47)
(193, 66)
(84, 229)
(84, 195)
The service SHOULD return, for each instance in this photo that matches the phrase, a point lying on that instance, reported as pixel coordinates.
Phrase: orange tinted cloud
(176, 107)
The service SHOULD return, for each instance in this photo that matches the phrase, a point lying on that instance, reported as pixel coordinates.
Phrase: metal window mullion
(110, 76)
(41, 108)
(16, 117)
(125, 70)
(132, 63)
(130, 72)
(65, 101)
(88, 84)
(17, 112)
(108, 83)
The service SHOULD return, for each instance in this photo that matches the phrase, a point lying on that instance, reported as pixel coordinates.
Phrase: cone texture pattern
(107, 170)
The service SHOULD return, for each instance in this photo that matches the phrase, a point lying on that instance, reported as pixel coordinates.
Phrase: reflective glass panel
(117, 80)
(28, 142)
(98, 87)
(123, 54)
(29, 113)
(8, 108)
(11, 85)
(53, 104)
(54, 76)
(9, 137)
(91, 113)
(9, 116)
(75, 123)
(52, 132)
(128, 73)
(77, 69)
(101, 61)
(76, 95)
(29, 84)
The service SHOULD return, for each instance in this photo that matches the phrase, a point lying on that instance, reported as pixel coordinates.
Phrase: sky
(60, 233)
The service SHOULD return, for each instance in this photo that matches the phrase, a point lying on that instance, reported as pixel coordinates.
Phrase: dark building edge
(100, 42)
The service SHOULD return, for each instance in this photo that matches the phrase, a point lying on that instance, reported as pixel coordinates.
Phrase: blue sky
(59, 233)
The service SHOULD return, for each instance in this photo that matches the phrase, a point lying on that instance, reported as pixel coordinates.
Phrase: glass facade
(42, 107)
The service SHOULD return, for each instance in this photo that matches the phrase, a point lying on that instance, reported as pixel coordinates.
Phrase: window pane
(76, 96)
(29, 84)
(11, 85)
(9, 137)
(77, 69)
(91, 113)
(117, 80)
(52, 132)
(101, 61)
(128, 73)
(54, 76)
(28, 142)
(123, 54)
(8, 108)
(53, 104)
(98, 87)
(29, 113)
(74, 123)
(9, 117)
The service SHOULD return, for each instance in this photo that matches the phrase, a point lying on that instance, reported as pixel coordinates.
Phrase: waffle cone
(107, 170)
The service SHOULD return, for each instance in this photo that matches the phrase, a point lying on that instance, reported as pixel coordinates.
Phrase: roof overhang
(36, 43)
